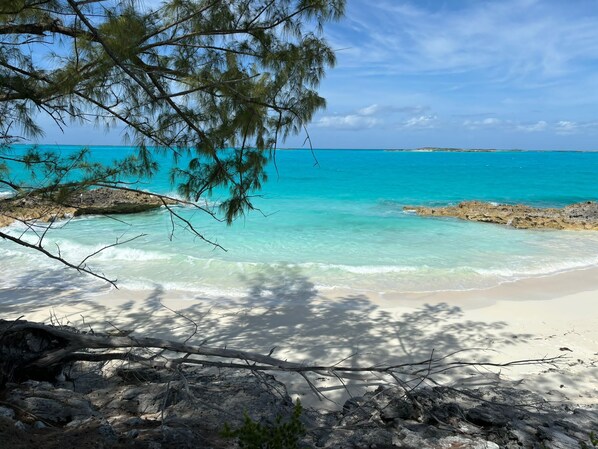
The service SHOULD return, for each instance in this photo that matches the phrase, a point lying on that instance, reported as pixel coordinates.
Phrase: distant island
(439, 150)
(453, 150)
(479, 150)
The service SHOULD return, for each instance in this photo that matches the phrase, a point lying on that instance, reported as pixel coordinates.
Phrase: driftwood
(40, 351)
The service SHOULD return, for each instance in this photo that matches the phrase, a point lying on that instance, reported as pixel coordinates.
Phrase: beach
(333, 269)
(288, 223)
(552, 316)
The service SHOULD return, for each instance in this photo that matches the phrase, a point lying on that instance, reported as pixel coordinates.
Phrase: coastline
(532, 318)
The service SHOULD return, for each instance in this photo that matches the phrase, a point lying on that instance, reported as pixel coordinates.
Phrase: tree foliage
(215, 84)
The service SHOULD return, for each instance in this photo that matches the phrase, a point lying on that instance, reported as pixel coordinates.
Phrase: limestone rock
(112, 201)
(489, 418)
(580, 216)
(187, 409)
(49, 404)
(89, 202)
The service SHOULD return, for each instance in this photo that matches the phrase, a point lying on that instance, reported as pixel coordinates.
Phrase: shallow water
(341, 224)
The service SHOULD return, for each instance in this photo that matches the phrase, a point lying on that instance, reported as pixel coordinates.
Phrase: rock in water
(45, 208)
(113, 201)
(579, 216)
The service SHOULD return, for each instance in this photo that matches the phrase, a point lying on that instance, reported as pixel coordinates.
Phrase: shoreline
(527, 319)
(540, 287)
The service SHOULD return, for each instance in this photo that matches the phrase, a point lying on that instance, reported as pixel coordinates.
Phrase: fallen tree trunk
(39, 351)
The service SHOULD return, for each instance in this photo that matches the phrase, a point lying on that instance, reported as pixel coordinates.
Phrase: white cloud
(422, 121)
(559, 127)
(508, 40)
(375, 115)
(350, 121)
(566, 127)
(369, 110)
(489, 122)
(533, 127)
(570, 127)
(377, 109)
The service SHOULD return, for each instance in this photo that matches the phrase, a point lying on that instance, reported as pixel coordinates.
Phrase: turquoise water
(341, 224)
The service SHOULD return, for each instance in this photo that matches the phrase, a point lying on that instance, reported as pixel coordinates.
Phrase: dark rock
(459, 442)
(7, 412)
(133, 433)
(50, 405)
(135, 421)
(106, 431)
(399, 409)
(173, 413)
(112, 201)
(21, 425)
(488, 416)
(39, 425)
(138, 375)
(448, 412)
(346, 438)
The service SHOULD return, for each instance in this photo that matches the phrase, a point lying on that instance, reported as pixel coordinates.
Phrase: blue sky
(454, 73)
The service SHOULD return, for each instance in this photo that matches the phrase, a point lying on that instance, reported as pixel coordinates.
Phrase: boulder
(50, 405)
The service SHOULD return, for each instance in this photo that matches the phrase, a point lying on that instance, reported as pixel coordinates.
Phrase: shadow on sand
(281, 309)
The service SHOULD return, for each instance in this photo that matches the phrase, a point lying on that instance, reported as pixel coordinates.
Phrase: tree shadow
(42, 290)
(281, 311)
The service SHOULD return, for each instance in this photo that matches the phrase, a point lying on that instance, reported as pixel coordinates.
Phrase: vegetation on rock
(278, 435)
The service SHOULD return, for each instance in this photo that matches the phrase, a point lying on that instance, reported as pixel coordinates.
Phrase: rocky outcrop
(136, 407)
(89, 202)
(113, 201)
(579, 216)
(122, 407)
(105, 401)
(30, 208)
(492, 417)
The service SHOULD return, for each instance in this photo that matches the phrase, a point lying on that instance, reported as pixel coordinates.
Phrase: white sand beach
(528, 319)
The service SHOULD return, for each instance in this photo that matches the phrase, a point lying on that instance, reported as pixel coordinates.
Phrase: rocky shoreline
(579, 216)
(89, 202)
(109, 397)
(118, 406)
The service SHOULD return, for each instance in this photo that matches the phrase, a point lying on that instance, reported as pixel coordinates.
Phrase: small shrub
(593, 442)
(279, 435)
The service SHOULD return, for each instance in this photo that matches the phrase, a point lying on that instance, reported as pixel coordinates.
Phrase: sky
(457, 73)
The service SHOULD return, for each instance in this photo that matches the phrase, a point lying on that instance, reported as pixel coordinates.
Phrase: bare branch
(58, 257)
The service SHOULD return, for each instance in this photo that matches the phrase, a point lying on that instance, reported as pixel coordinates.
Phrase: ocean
(337, 224)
